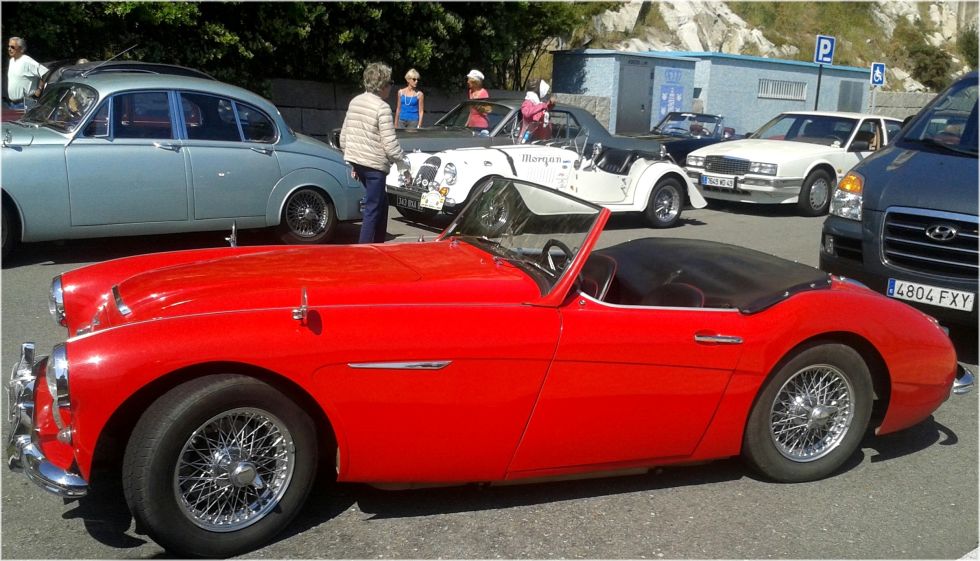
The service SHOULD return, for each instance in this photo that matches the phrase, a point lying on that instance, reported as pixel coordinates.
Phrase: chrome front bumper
(22, 450)
(963, 383)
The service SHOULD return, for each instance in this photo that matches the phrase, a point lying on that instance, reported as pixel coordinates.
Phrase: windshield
(814, 129)
(62, 107)
(477, 114)
(951, 121)
(689, 125)
(535, 228)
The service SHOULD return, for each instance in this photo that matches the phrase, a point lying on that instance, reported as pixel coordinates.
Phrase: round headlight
(449, 174)
(56, 301)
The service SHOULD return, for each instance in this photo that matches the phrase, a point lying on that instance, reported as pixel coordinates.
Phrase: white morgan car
(620, 180)
(796, 158)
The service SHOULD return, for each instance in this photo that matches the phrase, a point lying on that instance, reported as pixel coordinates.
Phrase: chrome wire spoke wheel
(812, 413)
(667, 204)
(234, 469)
(306, 214)
(494, 217)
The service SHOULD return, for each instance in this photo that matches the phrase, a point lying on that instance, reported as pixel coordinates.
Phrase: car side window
(256, 125)
(868, 135)
(892, 128)
(209, 117)
(563, 125)
(99, 125)
(141, 115)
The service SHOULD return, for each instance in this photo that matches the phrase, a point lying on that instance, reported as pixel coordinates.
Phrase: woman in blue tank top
(411, 103)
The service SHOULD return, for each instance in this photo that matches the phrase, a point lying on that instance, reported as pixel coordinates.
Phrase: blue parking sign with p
(823, 53)
(877, 73)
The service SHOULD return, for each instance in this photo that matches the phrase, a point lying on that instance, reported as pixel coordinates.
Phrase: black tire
(308, 217)
(171, 440)
(665, 204)
(10, 231)
(836, 426)
(815, 194)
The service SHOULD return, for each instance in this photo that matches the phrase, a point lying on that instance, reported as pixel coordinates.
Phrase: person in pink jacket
(534, 112)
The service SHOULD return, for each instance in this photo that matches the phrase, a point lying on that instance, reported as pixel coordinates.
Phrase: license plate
(726, 182)
(925, 294)
(433, 200)
(405, 202)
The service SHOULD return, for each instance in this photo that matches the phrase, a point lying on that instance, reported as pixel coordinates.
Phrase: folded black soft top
(729, 276)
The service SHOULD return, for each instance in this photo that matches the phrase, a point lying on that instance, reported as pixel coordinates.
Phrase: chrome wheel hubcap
(819, 192)
(306, 214)
(234, 469)
(667, 204)
(812, 413)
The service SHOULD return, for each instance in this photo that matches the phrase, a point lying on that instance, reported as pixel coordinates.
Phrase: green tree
(247, 43)
(966, 44)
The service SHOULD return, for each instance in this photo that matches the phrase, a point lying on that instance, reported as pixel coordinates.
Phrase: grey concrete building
(746, 90)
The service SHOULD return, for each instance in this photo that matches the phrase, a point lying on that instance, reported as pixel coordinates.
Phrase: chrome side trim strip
(120, 305)
(718, 339)
(419, 365)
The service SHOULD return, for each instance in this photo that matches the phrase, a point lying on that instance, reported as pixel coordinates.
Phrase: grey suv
(904, 221)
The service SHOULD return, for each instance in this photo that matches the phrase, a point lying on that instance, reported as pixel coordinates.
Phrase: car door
(868, 130)
(630, 383)
(444, 404)
(231, 153)
(132, 172)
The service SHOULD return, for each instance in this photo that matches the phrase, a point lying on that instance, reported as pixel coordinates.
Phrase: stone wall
(899, 104)
(316, 108)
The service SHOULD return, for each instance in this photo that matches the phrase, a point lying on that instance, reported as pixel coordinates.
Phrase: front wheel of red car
(219, 466)
(811, 415)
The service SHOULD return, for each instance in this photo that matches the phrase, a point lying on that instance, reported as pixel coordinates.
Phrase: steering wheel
(548, 262)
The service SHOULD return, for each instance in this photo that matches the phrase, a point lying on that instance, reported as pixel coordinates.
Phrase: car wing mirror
(860, 146)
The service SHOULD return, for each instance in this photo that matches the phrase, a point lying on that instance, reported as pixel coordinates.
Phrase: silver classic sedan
(131, 154)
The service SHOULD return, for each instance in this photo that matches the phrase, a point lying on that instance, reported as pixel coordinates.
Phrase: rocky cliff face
(699, 25)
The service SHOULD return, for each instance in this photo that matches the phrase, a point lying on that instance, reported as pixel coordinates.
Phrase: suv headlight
(449, 174)
(56, 301)
(695, 161)
(848, 197)
(56, 377)
(762, 168)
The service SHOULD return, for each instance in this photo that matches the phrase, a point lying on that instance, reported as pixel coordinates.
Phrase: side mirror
(859, 146)
(577, 164)
(906, 120)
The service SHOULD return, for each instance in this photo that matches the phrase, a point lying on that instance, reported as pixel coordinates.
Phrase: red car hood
(409, 273)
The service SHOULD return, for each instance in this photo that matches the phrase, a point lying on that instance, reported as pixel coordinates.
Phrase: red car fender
(919, 358)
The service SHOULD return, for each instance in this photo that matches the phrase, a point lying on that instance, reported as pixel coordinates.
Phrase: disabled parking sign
(877, 73)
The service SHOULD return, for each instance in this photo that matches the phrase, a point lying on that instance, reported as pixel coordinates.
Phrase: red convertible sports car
(218, 383)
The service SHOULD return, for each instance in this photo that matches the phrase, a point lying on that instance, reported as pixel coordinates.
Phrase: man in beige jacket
(370, 146)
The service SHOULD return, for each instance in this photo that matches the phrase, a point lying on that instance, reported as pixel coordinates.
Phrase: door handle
(717, 339)
(265, 151)
(166, 146)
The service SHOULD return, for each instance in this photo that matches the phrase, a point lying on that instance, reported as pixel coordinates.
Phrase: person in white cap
(478, 117)
(534, 112)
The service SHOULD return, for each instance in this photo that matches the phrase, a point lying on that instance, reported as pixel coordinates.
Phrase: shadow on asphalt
(107, 518)
(751, 209)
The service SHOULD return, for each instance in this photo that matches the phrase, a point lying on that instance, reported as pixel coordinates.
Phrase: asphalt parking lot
(903, 496)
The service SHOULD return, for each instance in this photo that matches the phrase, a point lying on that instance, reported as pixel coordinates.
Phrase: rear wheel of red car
(219, 466)
(307, 217)
(815, 194)
(811, 414)
(666, 201)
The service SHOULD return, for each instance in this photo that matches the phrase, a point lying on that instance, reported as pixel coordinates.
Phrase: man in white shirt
(23, 75)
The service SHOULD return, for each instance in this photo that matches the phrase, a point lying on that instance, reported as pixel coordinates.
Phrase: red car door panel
(460, 422)
(628, 384)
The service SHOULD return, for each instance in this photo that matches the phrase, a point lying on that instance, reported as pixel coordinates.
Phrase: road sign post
(823, 53)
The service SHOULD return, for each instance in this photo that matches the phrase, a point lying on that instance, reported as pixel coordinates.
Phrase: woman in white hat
(478, 118)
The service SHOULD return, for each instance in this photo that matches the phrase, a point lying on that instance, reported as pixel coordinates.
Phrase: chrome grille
(426, 174)
(723, 164)
(905, 243)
